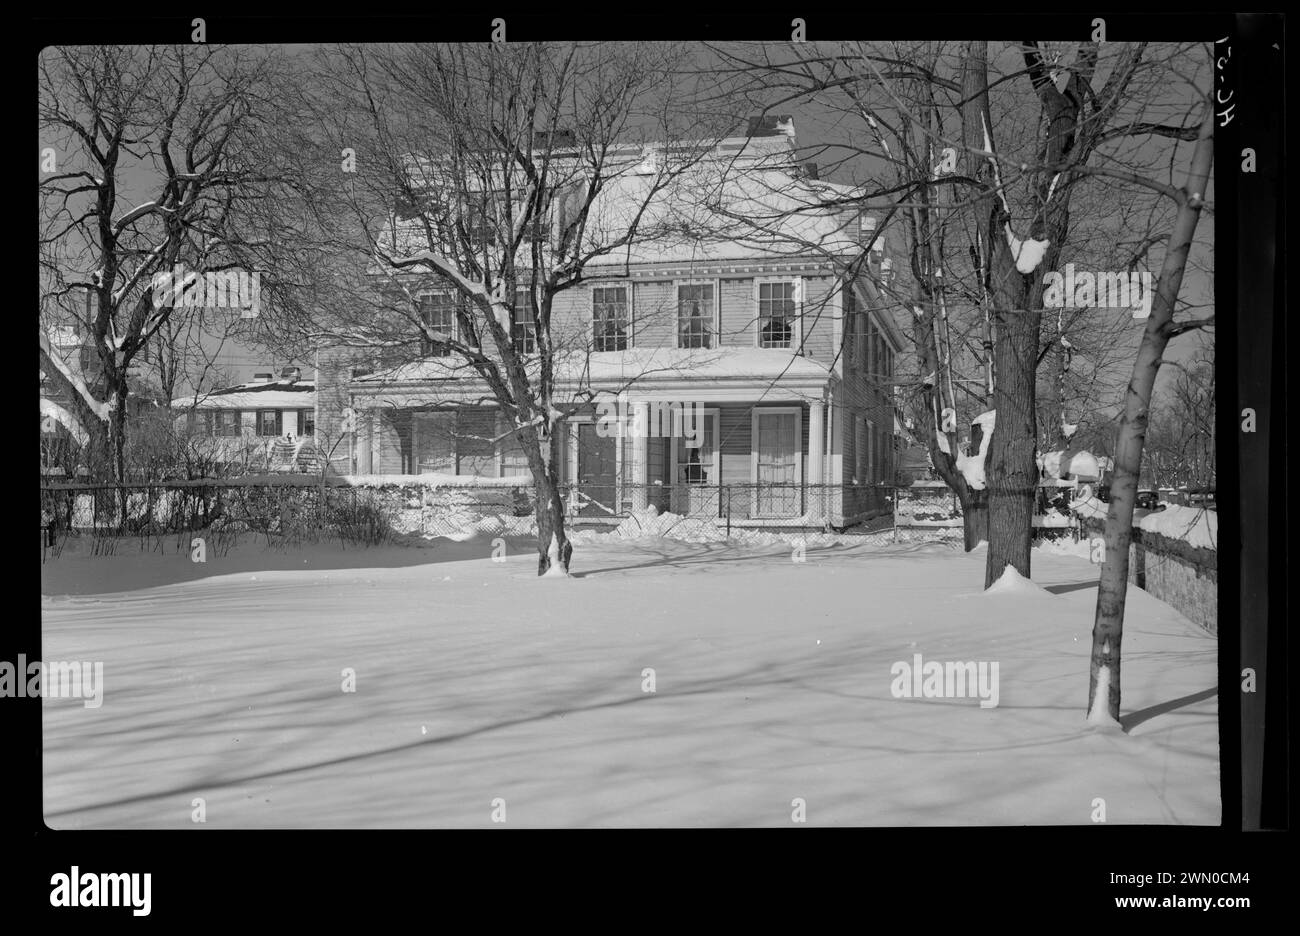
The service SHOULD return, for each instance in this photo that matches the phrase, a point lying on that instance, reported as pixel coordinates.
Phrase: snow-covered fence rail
(289, 509)
(1174, 557)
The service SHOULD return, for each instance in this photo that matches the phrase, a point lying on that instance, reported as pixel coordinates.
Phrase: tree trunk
(1012, 471)
(117, 422)
(553, 546)
(975, 518)
(1108, 625)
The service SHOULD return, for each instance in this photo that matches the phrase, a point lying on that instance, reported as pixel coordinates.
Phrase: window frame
(714, 467)
(457, 304)
(714, 327)
(755, 414)
(873, 451)
(627, 315)
(279, 430)
(862, 450)
(515, 323)
(504, 434)
(849, 313)
(796, 326)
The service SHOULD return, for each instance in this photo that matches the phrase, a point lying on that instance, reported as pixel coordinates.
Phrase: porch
(746, 462)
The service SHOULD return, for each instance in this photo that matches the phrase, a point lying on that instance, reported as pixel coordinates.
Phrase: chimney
(263, 378)
(810, 171)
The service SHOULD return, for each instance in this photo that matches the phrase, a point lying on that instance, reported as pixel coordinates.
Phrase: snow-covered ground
(477, 682)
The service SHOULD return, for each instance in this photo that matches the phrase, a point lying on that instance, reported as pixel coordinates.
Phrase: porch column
(640, 456)
(415, 448)
(816, 451)
(371, 442)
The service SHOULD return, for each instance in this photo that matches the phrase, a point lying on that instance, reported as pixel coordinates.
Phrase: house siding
(869, 397)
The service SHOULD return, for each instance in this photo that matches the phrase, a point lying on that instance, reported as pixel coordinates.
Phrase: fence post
(894, 516)
(728, 489)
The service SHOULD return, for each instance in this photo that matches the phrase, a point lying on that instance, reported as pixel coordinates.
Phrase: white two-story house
(763, 330)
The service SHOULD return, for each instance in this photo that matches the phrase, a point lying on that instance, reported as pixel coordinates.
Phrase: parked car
(1149, 500)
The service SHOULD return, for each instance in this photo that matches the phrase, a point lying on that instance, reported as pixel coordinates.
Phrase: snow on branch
(1028, 253)
(972, 466)
(138, 212)
(58, 414)
(993, 161)
(445, 267)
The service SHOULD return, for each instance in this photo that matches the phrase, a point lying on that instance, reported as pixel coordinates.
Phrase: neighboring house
(62, 434)
(792, 362)
(267, 423)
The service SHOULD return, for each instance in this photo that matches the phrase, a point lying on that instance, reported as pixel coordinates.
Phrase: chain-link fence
(290, 511)
(107, 515)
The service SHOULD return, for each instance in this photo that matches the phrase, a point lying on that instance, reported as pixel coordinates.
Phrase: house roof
(743, 197)
(720, 211)
(272, 394)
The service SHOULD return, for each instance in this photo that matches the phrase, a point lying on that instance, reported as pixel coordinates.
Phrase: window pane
(438, 313)
(695, 316)
(695, 465)
(514, 463)
(609, 318)
(479, 228)
(524, 331)
(776, 311)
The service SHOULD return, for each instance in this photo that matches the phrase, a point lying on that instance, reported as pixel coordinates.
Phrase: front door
(776, 448)
(597, 473)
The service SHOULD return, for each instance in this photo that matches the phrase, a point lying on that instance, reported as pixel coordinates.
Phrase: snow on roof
(641, 365)
(724, 212)
(270, 394)
(748, 199)
(269, 386)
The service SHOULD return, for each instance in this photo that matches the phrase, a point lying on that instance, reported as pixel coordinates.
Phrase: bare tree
(1112, 592)
(499, 174)
(979, 225)
(142, 171)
